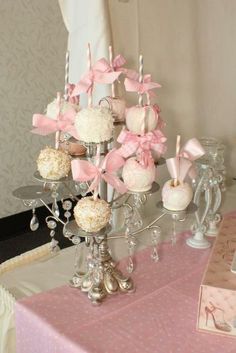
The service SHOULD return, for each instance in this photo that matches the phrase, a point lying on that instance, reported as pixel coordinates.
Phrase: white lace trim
(25, 258)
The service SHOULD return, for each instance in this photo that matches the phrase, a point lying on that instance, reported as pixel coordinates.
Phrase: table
(159, 317)
(43, 273)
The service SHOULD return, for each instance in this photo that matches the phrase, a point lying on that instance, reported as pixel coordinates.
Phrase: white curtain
(87, 21)
(188, 47)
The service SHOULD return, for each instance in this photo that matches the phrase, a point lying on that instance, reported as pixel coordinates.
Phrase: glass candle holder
(214, 157)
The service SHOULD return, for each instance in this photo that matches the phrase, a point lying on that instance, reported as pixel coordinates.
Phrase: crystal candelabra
(142, 136)
(102, 277)
(209, 185)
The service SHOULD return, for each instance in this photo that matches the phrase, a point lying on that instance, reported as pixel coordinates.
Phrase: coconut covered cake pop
(94, 124)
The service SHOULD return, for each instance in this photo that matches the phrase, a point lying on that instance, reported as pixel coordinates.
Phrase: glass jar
(214, 157)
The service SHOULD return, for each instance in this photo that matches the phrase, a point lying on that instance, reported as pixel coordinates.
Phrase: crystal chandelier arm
(50, 210)
(138, 232)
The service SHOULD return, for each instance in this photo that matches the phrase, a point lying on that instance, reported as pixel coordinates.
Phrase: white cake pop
(136, 177)
(52, 108)
(94, 124)
(141, 119)
(176, 198)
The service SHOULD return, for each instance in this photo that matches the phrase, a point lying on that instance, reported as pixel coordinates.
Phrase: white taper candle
(67, 75)
(90, 94)
(111, 64)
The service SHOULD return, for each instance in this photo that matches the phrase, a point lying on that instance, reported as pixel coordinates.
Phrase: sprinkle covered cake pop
(53, 164)
(92, 215)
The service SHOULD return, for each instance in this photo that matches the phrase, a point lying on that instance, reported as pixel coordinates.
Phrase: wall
(33, 42)
(189, 48)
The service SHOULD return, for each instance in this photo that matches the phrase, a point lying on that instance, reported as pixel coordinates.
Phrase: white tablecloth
(37, 271)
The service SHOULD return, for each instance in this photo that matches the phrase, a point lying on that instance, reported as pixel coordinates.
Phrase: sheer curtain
(86, 22)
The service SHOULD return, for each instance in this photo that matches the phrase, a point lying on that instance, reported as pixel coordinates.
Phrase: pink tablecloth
(160, 317)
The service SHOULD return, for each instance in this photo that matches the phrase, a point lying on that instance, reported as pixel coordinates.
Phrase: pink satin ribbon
(133, 85)
(160, 122)
(64, 122)
(101, 72)
(118, 62)
(75, 99)
(85, 171)
(182, 165)
(142, 145)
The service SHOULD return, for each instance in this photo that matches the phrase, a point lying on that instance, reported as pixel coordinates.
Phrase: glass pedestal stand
(199, 228)
(102, 277)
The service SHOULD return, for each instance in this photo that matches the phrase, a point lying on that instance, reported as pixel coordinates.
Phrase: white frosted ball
(92, 215)
(94, 124)
(176, 198)
(137, 116)
(53, 164)
(52, 108)
(136, 177)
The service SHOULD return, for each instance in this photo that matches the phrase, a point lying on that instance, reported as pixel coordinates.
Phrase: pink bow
(101, 72)
(85, 171)
(142, 145)
(133, 85)
(160, 122)
(118, 62)
(64, 122)
(182, 165)
(74, 99)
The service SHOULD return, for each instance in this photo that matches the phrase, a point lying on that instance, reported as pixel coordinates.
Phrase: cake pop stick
(111, 63)
(97, 162)
(57, 135)
(140, 100)
(66, 91)
(177, 155)
(90, 93)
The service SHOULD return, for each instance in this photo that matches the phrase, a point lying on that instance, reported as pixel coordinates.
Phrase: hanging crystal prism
(55, 208)
(34, 222)
(155, 238)
(67, 206)
(131, 243)
(52, 224)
